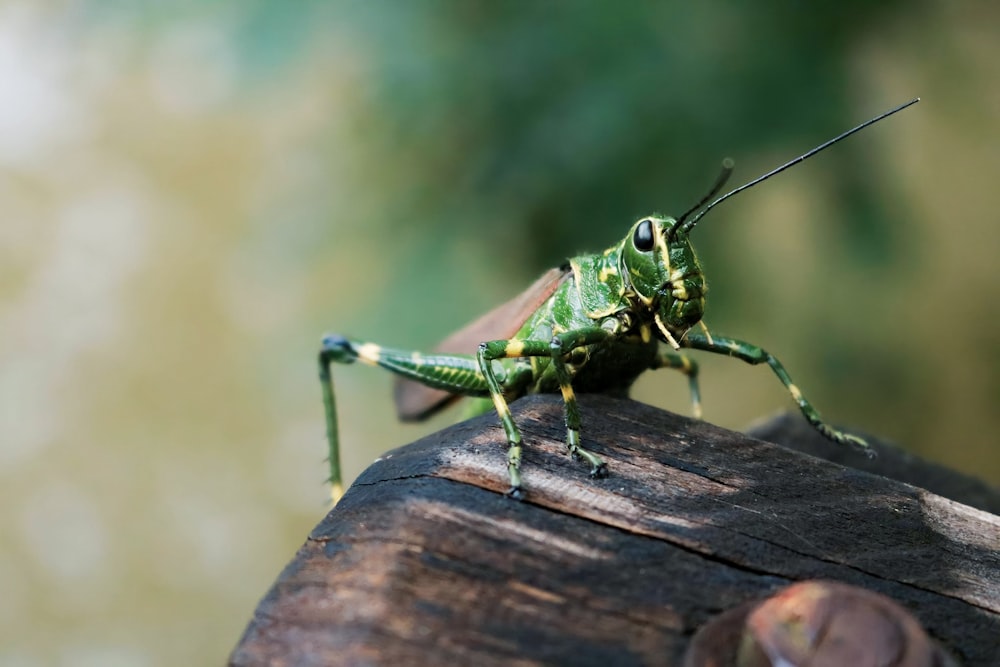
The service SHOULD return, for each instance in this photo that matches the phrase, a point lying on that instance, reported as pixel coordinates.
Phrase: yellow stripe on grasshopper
(515, 348)
(369, 353)
(501, 407)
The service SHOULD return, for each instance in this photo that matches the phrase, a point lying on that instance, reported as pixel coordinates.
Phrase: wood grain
(425, 561)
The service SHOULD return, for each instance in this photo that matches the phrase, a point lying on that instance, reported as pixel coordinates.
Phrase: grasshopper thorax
(663, 273)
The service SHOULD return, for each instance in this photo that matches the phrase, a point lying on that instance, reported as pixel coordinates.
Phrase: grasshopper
(592, 325)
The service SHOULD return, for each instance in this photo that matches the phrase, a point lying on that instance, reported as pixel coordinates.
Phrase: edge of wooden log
(424, 561)
(893, 461)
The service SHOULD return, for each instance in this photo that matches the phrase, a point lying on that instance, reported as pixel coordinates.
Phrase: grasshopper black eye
(643, 237)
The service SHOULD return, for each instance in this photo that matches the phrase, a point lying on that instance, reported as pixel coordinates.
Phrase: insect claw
(859, 443)
(599, 471)
(854, 441)
(515, 493)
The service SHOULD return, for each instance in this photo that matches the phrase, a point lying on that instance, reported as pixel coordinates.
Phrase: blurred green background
(193, 192)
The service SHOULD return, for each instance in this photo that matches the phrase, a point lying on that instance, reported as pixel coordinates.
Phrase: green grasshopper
(592, 325)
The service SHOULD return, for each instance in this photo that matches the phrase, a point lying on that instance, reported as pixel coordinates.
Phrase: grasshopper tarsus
(515, 493)
(857, 443)
(599, 472)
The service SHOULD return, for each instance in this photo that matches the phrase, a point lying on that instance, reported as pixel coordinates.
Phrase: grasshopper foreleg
(557, 349)
(754, 355)
(688, 367)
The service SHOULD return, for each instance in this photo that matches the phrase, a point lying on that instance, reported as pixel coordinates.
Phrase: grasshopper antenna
(727, 171)
(689, 225)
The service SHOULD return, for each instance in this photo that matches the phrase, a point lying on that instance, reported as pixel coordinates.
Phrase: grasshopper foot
(515, 493)
(860, 443)
(598, 468)
(854, 441)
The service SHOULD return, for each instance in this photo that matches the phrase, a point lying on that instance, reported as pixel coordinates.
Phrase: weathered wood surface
(424, 561)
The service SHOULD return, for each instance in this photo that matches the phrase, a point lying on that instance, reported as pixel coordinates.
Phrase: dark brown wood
(425, 561)
(894, 462)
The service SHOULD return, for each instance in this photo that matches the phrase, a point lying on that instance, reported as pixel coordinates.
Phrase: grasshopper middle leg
(557, 350)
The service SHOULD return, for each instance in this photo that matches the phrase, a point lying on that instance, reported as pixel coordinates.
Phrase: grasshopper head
(663, 270)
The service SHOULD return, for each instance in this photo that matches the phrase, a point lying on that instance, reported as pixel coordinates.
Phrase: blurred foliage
(194, 191)
(548, 124)
(523, 117)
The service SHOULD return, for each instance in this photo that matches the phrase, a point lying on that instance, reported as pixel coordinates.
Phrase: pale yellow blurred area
(176, 235)
(162, 454)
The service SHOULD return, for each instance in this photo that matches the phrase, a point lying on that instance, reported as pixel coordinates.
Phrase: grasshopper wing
(415, 402)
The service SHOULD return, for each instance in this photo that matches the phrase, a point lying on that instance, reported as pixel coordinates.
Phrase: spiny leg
(688, 367)
(454, 373)
(487, 354)
(562, 344)
(326, 357)
(754, 355)
(557, 349)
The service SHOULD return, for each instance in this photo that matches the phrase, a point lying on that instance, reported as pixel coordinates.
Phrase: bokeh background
(192, 192)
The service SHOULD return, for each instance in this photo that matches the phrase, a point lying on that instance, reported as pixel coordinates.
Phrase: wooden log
(425, 561)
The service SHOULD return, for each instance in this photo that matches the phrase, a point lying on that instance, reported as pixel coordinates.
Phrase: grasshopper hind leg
(333, 348)
(456, 374)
